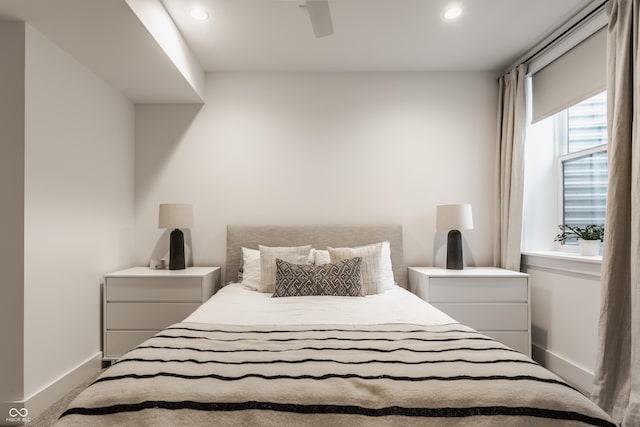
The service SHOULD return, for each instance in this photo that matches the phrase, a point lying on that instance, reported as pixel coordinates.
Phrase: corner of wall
(12, 132)
(78, 199)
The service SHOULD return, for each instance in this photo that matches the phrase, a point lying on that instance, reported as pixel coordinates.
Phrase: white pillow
(312, 257)
(251, 268)
(386, 268)
(268, 255)
(377, 272)
(321, 257)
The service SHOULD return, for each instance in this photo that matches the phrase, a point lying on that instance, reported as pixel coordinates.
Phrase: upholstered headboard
(319, 236)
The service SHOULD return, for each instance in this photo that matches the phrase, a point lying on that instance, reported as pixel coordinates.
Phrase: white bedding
(236, 305)
(256, 360)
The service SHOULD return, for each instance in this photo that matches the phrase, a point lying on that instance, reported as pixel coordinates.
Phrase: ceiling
(108, 38)
(381, 35)
(112, 38)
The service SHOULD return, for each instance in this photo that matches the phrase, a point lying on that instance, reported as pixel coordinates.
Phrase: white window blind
(584, 164)
(573, 77)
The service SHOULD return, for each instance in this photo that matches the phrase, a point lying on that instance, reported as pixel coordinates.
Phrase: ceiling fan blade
(320, 17)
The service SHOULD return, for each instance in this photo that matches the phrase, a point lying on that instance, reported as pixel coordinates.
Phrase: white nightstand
(491, 300)
(139, 302)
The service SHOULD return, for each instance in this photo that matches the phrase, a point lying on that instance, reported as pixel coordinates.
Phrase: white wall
(565, 289)
(79, 207)
(12, 42)
(565, 308)
(542, 211)
(283, 148)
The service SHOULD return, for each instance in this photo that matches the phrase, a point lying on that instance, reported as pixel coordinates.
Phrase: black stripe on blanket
(342, 376)
(340, 362)
(277, 331)
(345, 409)
(189, 337)
(365, 349)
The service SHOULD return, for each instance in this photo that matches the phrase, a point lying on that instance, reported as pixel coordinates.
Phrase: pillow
(241, 268)
(386, 268)
(250, 268)
(293, 280)
(312, 257)
(252, 256)
(377, 272)
(342, 278)
(321, 257)
(268, 255)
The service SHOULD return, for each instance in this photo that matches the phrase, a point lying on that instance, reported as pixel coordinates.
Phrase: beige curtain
(509, 182)
(617, 378)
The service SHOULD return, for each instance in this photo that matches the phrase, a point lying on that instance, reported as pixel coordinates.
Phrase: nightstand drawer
(132, 316)
(477, 289)
(154, 289)
(118, 343)
(489, 316)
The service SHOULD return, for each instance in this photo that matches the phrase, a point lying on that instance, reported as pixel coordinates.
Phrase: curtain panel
(509, 181)
(617, 378)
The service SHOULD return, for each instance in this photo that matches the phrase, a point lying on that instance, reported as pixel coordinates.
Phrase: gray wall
(12, 125)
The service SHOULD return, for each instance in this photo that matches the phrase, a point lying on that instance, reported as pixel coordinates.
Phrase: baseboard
(47, 396)
(8, 415)
(12, 413)
(575, 375)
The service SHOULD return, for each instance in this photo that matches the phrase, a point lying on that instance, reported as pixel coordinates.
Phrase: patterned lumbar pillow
(293, 280)
(342, 278)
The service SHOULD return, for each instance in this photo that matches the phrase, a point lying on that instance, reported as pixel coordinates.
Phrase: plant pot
(589, 247)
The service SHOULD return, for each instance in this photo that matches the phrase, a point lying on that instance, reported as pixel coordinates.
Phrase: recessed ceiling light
(452, 13)
(199, 14)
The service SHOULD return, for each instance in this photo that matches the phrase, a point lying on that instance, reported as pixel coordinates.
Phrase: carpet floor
(51, 414)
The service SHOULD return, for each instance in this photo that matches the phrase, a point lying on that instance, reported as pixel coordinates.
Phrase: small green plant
(589, 232)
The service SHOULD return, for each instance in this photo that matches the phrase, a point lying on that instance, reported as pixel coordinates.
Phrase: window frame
(560, 167)
(561, 130)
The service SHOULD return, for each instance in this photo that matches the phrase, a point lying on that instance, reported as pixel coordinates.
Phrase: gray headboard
(319, 236)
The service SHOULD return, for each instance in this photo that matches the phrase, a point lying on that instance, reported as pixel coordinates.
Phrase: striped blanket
(194, 374)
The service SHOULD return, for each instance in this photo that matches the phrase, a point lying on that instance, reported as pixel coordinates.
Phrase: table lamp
(454, 218)
(176, 216)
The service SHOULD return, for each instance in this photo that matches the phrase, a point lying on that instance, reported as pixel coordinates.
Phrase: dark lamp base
(454, 250)
(176, 250)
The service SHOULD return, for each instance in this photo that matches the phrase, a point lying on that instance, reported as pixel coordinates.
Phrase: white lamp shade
(175, 215)
(454, 217)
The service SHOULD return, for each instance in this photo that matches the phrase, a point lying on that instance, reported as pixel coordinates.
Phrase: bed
(388, 358)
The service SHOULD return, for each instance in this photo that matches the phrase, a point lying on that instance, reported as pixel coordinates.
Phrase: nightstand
(493, 301)
(139, 302)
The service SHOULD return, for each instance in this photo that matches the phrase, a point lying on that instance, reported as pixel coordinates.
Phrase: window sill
(563, 262)
(570, 256)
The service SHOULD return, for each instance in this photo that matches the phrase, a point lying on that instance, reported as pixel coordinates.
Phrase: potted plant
(589, 237)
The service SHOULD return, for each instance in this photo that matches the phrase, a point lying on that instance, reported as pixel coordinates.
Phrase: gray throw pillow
(293, 280)
(342, 278)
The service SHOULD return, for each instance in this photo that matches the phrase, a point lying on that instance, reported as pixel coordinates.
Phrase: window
(565, 173)
(581, 133)
(565, 153)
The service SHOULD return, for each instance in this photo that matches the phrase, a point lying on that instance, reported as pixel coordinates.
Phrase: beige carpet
(50, 416)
